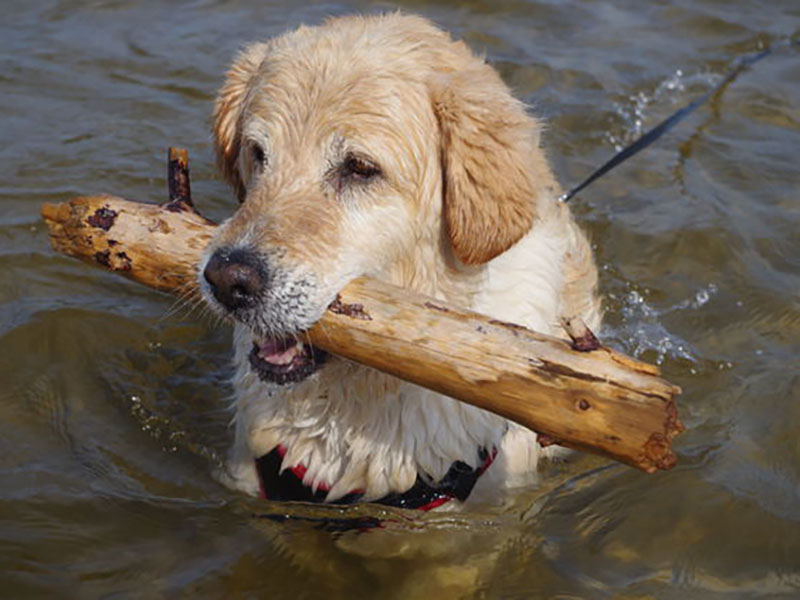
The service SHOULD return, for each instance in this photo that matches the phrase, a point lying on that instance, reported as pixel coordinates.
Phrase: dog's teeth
(282, 358)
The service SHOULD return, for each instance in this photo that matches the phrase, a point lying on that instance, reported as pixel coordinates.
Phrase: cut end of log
(658, 452)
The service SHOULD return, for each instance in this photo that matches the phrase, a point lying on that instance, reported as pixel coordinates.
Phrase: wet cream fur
(465, 210)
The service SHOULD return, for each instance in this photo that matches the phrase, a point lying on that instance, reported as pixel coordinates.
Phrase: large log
(581, 395)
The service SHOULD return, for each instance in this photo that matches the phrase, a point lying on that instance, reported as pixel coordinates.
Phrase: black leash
(656, 132)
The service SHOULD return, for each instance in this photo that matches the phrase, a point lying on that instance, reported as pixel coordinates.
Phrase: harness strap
(287, 484)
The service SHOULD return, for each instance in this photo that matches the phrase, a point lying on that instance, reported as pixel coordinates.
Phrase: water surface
(112, 402)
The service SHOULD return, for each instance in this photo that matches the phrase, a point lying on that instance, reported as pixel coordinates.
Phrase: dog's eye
(359, 169)
(258, 156)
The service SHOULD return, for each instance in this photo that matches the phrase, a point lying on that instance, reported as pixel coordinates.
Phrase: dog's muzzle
(238, 280)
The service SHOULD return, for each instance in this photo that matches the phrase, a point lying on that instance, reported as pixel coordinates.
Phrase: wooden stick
(580, 395)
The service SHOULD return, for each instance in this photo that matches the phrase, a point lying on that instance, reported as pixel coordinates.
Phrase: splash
(641, 329)
(641, 109)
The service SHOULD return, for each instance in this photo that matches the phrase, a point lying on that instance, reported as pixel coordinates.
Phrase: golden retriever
(379, 146)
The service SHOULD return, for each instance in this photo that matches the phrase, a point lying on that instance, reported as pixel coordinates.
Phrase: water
(112, 404)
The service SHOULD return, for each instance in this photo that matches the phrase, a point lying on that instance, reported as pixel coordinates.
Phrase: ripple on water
(111, 414)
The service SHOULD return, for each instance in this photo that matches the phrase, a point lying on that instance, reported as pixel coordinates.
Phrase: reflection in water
(112, 408)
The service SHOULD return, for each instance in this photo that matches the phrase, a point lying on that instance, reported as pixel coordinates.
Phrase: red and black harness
(287, 484)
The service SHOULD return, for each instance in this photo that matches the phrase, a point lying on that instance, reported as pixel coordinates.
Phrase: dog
(379, 146)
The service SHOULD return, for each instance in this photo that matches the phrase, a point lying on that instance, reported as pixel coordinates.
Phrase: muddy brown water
(112, 399)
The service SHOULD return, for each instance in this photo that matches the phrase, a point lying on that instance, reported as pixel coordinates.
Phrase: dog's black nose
(236, 277)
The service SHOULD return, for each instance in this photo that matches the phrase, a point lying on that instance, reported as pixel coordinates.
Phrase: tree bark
(580, 394)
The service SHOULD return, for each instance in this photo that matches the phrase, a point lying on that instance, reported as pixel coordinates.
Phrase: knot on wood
(355, 311)
(103, 218)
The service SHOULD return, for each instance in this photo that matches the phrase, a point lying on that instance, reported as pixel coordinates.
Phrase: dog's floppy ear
(494, 170)
(228, 112)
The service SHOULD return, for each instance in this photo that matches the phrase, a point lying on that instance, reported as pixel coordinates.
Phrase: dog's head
(360, 147)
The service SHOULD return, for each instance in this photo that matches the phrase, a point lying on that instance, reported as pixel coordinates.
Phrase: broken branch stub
(180, 192)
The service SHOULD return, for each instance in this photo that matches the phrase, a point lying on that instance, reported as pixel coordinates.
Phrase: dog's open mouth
(285, 360)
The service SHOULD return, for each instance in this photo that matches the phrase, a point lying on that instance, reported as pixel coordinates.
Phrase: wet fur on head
(488, 144)
(379, 146)
(227, 116)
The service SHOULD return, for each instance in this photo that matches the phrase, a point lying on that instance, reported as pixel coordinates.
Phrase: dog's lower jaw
(286, 360)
